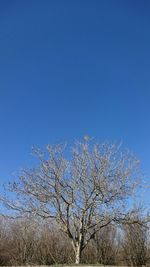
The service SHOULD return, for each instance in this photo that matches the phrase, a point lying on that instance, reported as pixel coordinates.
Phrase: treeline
(33, 242)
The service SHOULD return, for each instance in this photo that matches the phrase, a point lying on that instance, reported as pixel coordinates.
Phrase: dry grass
(80, 265)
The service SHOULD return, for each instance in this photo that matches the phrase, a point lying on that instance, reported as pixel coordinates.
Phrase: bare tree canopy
(84, 191)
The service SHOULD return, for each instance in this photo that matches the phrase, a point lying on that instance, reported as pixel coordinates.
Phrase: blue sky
(70, 68)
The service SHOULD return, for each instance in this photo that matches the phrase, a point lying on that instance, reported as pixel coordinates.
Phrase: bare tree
(83, 192)
(20, 241)
(89, 254)
(4, 253)
(106, 245)
(53, 246)
(135, 245)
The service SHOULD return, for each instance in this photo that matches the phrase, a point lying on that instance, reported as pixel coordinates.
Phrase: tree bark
(78, 254)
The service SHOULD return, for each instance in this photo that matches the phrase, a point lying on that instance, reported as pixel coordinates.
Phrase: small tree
(83, 192)
(106, 245)
(22, 241)
(135, 244)
(4, 253)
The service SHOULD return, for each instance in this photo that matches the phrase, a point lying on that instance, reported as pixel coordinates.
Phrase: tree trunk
(78, 254)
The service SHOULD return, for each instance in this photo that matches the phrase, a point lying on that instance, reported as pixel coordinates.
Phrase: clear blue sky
(70, 68)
